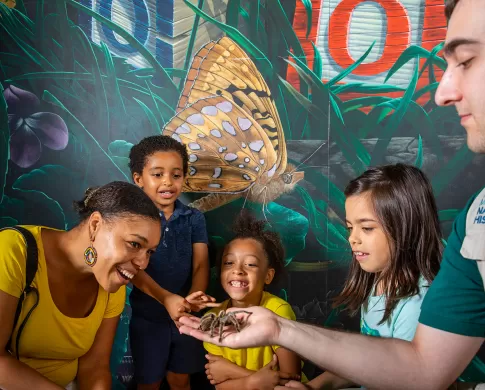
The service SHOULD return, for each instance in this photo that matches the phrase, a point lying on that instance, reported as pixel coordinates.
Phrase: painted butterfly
(229, 122)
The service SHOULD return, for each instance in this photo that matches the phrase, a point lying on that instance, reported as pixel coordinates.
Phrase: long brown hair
(403, 201)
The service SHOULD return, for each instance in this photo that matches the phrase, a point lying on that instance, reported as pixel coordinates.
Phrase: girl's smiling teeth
(360, 253)
(238, 283)
(124, 273)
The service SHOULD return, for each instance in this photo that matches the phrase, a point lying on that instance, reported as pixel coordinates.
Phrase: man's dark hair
(450, 7)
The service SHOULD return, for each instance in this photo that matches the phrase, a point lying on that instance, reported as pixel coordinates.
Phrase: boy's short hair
(156, 143)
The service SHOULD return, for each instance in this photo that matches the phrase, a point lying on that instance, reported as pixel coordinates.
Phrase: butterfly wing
(223, 68)
(228, 150)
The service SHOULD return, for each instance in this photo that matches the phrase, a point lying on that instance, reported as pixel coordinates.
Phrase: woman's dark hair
(403, 201)
(247, 226)
(450, 7)
(156, 143)
(116, 199)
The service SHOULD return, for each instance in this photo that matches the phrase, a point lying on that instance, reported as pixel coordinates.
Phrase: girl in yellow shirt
(81, 280)
(252, 260)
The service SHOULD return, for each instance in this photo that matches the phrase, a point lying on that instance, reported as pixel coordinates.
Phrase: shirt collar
(179, 209)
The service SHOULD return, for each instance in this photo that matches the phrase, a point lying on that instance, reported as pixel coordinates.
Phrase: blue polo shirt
(171, 265)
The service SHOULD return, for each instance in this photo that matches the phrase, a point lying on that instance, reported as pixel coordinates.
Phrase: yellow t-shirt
(51, 343)
(254, 358)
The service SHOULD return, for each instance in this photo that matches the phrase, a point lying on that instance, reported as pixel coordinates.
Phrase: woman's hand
(177, 307)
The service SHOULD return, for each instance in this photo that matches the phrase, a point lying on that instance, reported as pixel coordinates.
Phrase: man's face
(463, 83)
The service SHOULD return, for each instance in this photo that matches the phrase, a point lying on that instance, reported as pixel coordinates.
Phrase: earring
(90, 255)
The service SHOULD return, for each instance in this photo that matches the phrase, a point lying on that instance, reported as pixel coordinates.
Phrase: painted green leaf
(452, 169)
(38, 209)
(280, 19)
(291, 225)
(64, 29)
(232, 12)
(151, 117)
(113, 86)
(366, 101)
(59, 184)
(7, 221)
(380, 148)
(365, 88)
(317, 62)
(327, 235)
(308, 9)
(411, 53)
(190, 47)
(265, 66)
(164, 78)
(351, 68)
(85, 136)
(103, 119)
(419, 156)
(119, 151)
(4, 143)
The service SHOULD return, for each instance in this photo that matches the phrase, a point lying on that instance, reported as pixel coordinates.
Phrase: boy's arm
(200, 267)
(145, 283)
(175, 304)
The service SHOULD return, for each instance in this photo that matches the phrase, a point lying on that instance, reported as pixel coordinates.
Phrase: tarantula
(211, 321)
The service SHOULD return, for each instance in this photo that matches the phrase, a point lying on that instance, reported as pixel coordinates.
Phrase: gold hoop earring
(90, 255)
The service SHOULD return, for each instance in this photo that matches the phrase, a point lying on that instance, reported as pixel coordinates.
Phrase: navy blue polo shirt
(171, 265)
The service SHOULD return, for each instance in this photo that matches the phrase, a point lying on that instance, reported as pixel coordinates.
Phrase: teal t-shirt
(455, 301)
(403, 321)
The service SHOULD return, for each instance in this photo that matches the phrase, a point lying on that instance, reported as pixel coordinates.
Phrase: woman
(81, 279)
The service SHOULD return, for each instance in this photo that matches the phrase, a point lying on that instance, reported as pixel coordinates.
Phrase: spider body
(211, 321)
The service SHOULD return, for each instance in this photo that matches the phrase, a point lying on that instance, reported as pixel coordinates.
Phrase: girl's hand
(267, 378)
(219, 369)
(261, 328)
(199, 300)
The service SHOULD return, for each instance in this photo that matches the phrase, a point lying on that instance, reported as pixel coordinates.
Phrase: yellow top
(254, 358)
(51, 343)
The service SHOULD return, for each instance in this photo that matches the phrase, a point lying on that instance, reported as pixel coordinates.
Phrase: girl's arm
(93, 369)
(288, 361)
(219, 369)
(15, 375)
(329, 381)
(200, 267)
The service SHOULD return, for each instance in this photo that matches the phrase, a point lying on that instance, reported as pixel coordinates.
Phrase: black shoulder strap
(30, 271)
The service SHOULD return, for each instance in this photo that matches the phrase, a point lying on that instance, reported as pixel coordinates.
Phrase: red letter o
(397, 39)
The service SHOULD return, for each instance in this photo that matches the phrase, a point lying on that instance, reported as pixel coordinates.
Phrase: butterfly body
(228, 121)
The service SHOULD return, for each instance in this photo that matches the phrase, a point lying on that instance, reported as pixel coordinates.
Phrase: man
(452, 321)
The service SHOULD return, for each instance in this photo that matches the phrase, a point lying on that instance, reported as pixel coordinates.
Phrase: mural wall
(322, 89)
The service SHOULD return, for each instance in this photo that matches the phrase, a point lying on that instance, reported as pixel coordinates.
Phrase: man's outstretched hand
(260, 328)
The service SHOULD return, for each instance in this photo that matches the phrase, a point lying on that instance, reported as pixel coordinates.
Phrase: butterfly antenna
(309, 157)
(264, 206)
(246, 197)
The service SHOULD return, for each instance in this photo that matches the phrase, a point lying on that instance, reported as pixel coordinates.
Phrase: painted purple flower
(29, 130)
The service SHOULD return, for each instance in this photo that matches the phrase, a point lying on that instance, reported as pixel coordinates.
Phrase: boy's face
(245, 271)
(162, 178)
